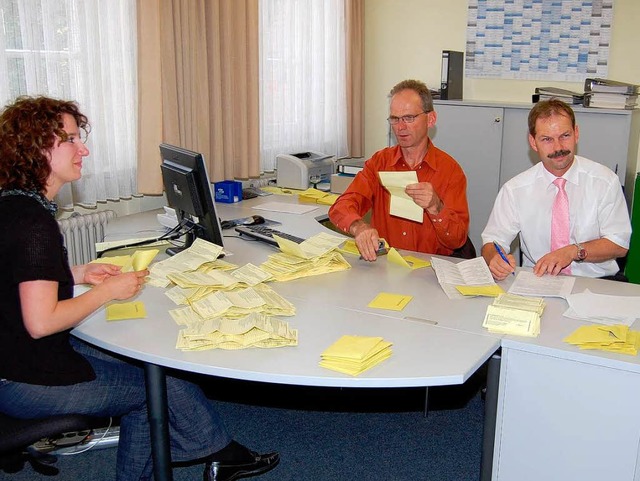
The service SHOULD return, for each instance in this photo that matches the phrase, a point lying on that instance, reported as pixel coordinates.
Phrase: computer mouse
(254, 220)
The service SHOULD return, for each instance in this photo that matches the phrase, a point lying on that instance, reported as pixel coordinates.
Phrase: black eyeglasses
(407, 119)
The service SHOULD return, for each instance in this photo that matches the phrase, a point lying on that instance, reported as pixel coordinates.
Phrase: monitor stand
(188, 240)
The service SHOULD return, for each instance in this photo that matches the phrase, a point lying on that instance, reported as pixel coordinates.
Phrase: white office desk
(423, 354)
(562, 413)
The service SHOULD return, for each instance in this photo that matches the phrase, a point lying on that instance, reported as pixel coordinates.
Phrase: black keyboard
(265, 234)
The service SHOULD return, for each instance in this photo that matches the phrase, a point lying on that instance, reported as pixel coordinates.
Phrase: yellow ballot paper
(355, 354)
(317, 197)
(411, 262)
(492, 290)
(350, 247)
(391, 302)
(140, 260)
(616, 338)
(122, 261)
(401, 204)
(126, 310)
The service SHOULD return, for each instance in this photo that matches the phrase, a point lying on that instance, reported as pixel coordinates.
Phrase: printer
(298, 171)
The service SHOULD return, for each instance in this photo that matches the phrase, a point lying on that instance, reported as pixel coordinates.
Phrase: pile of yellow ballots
(254, 330)
(225, 306)
(516, 315)
(616, 338)
(316, 255)
(315, 196)
(355, 354)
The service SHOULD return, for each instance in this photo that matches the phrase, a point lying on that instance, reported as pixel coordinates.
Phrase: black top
(31, 248)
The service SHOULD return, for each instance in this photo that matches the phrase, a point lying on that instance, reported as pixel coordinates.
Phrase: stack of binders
(546, 93)
(610, 94)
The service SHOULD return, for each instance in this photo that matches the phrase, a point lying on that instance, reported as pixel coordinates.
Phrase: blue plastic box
(228, 191)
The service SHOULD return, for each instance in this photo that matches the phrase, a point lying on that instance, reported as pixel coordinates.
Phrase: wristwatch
(582, 252)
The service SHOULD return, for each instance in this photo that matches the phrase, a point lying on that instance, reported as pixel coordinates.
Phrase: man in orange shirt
(441, 190)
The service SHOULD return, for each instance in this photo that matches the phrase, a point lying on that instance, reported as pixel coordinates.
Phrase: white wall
(405, 38)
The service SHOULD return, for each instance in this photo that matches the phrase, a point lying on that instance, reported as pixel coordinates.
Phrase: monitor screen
(188, 191)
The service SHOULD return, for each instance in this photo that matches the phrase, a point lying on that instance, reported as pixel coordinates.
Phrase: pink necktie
(560, 219)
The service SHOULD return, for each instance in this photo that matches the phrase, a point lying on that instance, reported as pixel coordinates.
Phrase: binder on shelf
(350, 166)
(608, 100)
(452, 74)
(546, 93)
(610, 86)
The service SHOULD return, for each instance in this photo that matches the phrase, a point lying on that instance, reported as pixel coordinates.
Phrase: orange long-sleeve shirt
(439, 234)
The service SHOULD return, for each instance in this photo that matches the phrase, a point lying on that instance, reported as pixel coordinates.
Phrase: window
(302, 78)
(82, 51)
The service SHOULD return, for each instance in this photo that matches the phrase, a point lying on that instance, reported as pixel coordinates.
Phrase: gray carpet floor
(326, 434)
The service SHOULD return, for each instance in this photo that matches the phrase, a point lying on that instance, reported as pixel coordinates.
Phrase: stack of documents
(234, 304)
(201, 252)
(528, 284)
(616, 338)
(316, 255)
(610, 94)
(516, 315)
(316, 196)
(472, 272)
(568, 96)
(603, 309)
(254, 330)
(355, 354)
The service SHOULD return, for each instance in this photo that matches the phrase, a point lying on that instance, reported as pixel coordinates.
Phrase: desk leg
(490, 413)
(156, 385)
(426, 401)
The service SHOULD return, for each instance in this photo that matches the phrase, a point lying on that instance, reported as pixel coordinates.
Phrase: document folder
(452, 75)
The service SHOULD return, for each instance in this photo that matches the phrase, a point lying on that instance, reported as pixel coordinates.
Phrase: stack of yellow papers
(355, 354)
(617, 338)
(316, 255)
(316, 196)
(516, 315)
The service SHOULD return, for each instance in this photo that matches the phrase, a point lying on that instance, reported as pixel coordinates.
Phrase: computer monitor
(188, 190)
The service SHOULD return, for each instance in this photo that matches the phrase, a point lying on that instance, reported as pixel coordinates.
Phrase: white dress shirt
(597, 209)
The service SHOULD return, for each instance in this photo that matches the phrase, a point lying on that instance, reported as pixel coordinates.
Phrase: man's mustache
(559, 153)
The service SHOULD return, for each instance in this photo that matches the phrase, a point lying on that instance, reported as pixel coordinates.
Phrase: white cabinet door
(561, 420)
(473, 136)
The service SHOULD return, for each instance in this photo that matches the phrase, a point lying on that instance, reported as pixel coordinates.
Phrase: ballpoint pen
(504, 258)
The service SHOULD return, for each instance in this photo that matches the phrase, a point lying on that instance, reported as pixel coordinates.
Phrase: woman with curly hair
(43, 370)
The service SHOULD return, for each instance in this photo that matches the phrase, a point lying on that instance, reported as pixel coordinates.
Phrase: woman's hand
(94, 274)
(43, 314)
(124, 286)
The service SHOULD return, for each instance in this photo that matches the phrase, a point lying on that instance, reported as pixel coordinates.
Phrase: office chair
(467, 251)
(18, 435)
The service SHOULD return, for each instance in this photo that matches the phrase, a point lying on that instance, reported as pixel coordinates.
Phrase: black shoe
(231, 470)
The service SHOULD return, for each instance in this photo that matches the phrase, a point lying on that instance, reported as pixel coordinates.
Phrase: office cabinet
(566, 419)
(490, 141)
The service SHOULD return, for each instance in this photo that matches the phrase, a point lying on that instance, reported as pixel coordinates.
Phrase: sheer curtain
(302, 78)
(83, 51)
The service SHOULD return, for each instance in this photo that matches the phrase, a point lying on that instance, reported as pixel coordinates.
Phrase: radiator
(81, 232)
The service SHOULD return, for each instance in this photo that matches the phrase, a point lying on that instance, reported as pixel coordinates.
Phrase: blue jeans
(195, 428)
